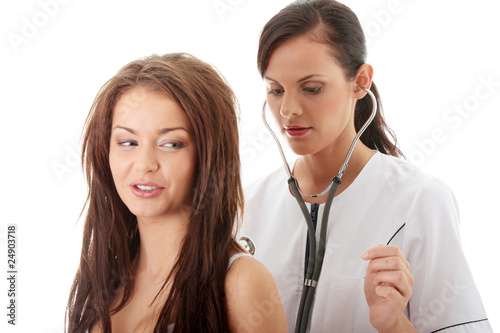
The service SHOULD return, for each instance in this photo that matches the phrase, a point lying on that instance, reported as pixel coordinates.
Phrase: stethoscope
(316, 257)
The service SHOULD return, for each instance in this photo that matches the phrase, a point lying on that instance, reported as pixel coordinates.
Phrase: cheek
(117, 165)
(181, 179)
(180, 169)
(335, 109)
(273, 104)
(112, 163)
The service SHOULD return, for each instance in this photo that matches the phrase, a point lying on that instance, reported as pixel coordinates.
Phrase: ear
(363, 79)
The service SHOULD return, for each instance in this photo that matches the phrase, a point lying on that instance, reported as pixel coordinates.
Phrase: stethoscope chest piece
(247, 244)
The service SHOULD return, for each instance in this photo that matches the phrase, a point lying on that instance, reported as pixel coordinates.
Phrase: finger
(382, 251)
(395, 279)
(394, 299)
(387, 264)
(392, 295)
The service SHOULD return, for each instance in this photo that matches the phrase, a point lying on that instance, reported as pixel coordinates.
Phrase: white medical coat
(389, 202)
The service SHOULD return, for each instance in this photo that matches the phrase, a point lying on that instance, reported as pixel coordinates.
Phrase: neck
(161, 240)
(315, 172)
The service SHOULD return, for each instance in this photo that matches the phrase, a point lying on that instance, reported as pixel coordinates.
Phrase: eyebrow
(307, 77)
(160, 131)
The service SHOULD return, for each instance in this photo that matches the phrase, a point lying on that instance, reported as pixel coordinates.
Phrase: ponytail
(375, 136)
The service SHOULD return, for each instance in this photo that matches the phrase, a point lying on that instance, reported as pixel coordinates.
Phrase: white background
(430, 58)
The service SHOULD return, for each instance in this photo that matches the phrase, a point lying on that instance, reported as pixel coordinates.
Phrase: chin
(144, 211)
(144, 215)
(301, 149)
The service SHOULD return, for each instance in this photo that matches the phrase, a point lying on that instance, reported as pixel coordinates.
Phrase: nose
(290, 106)
(146, 160)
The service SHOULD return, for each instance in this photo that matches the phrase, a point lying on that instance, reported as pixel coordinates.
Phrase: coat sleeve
(445, 298)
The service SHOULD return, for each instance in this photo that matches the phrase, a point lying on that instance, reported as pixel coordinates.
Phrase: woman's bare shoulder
(253, 300)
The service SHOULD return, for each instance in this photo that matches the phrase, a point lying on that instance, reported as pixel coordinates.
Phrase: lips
(145, 189)
(296, 130)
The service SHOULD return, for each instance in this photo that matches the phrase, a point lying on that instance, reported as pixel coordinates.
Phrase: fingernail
(364, 255)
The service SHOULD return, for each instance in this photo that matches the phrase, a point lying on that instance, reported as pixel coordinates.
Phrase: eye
(175, 145)
(127, 143)
(313, 90)
(274, 89)
(275, 92)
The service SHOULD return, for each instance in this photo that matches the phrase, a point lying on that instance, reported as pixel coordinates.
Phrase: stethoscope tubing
(314, 266)
(317, 262)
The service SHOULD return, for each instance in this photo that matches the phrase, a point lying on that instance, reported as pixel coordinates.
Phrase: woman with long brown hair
(312, 58)
(161, 157)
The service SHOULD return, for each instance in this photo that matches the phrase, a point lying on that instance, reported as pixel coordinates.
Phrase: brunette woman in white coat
(393, 259)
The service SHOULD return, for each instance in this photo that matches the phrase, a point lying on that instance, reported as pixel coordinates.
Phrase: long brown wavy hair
(335, 25)
(111, 237)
